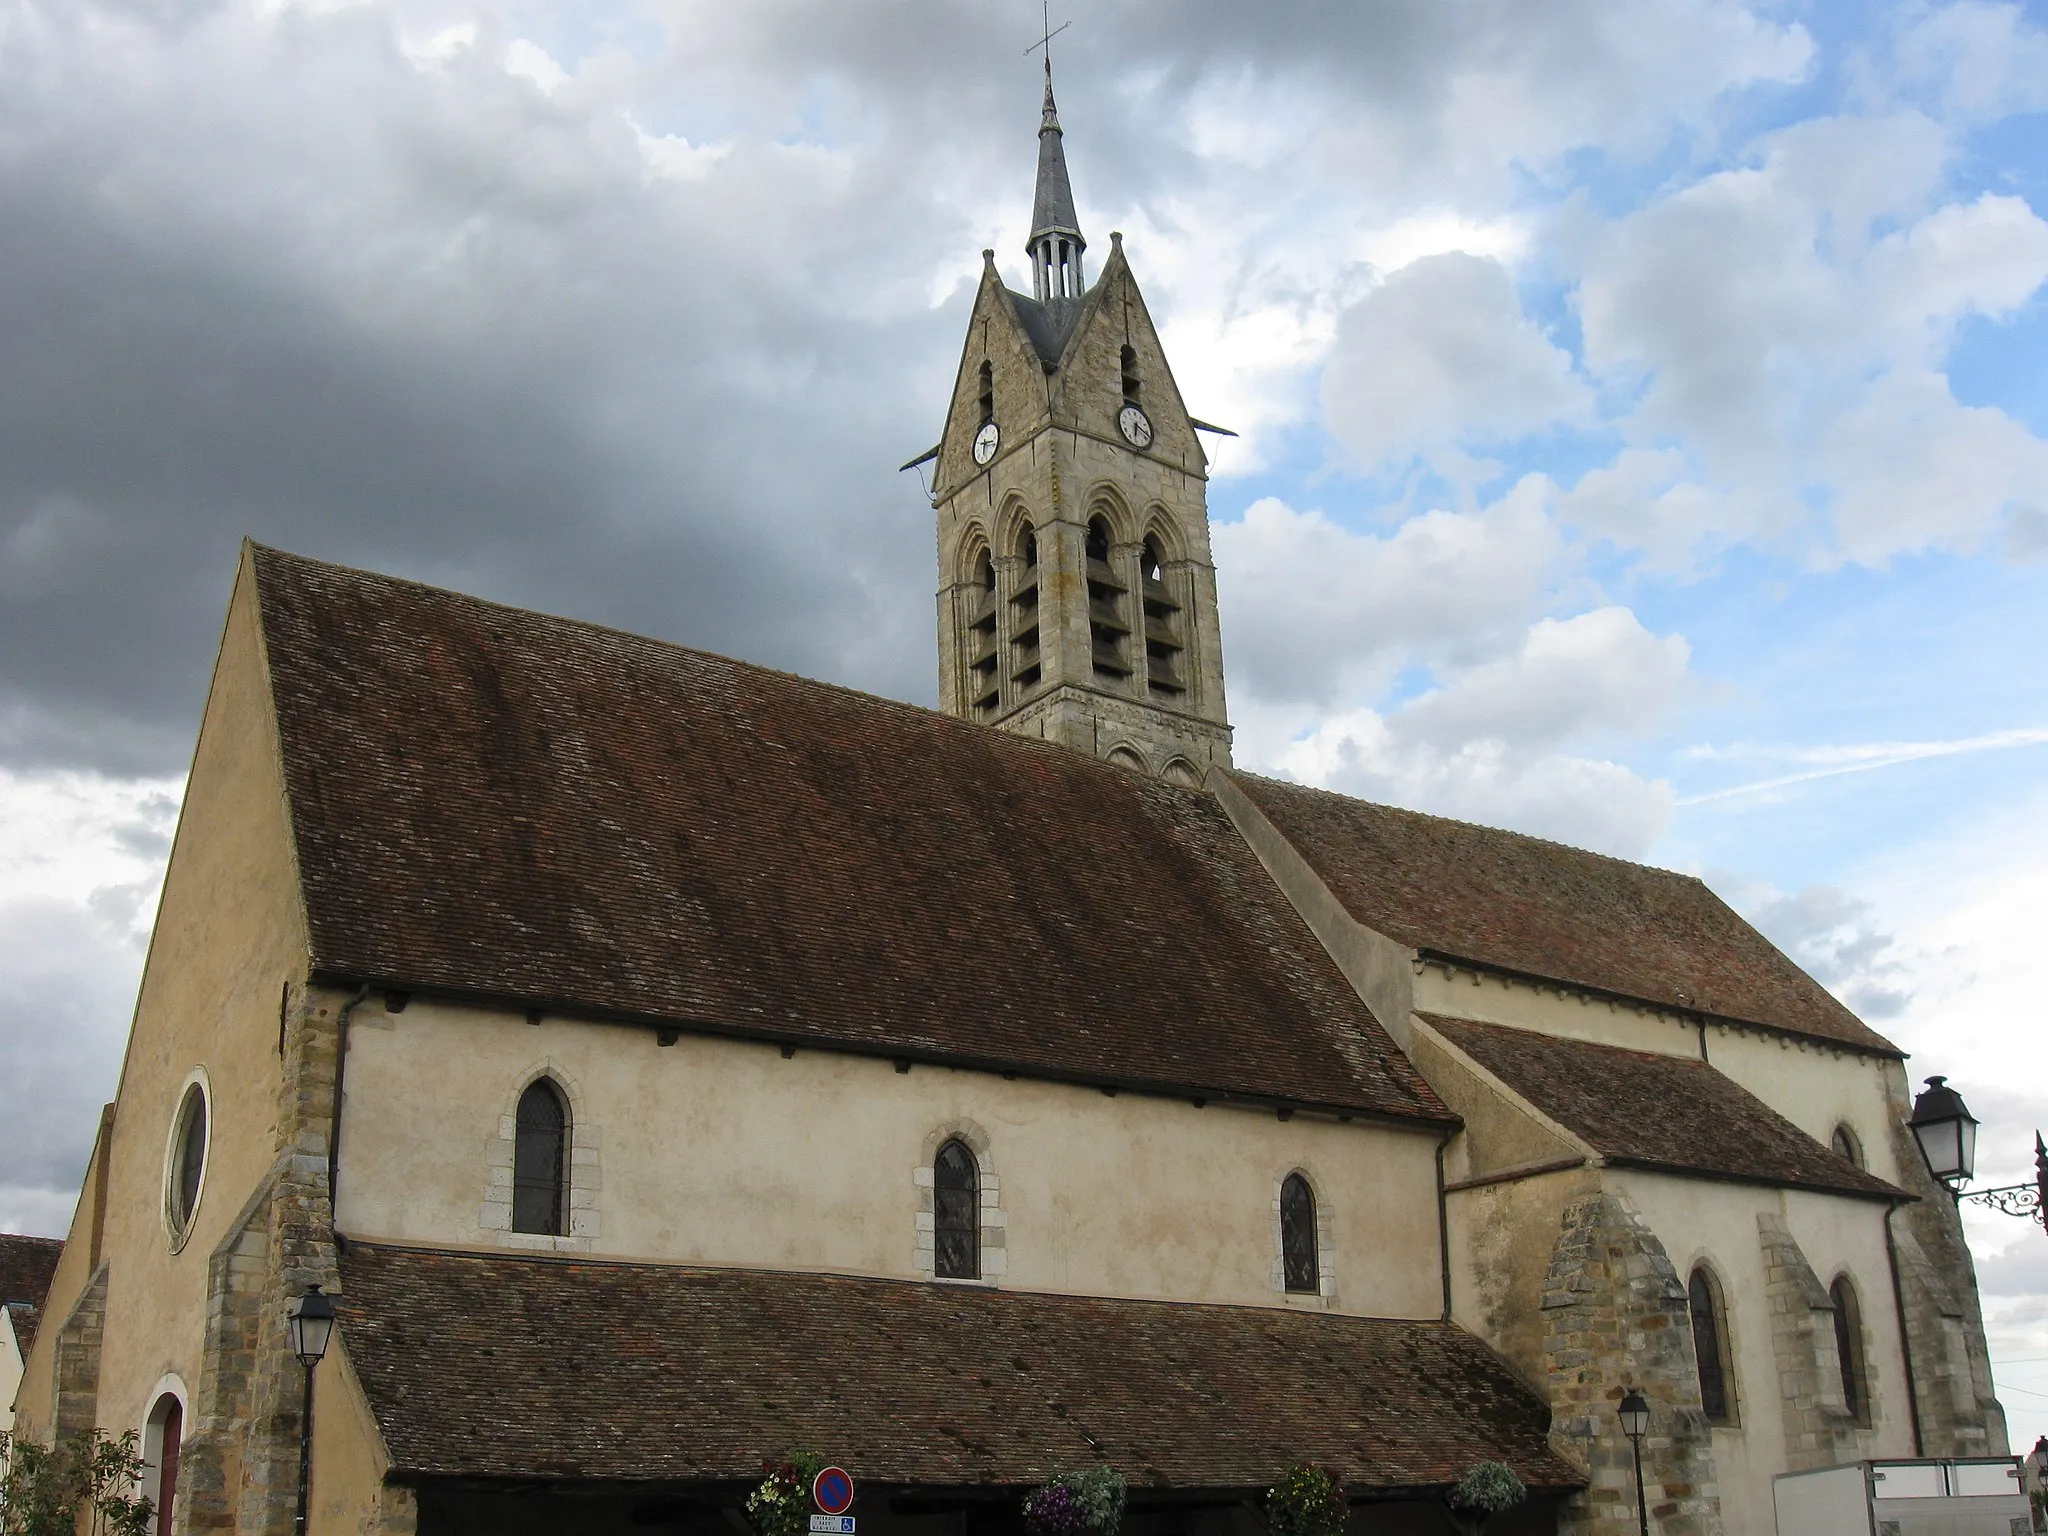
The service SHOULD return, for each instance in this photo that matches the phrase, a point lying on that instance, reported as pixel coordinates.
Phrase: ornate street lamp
(1634, 1414)
(310, 1322)
(1947, 1133)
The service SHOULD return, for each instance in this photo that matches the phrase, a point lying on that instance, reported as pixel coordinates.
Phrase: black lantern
(311, 1321)
(1947, 1132)
(1634, 1414)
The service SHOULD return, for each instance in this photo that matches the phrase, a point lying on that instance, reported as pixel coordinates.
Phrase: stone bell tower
(1077, 599)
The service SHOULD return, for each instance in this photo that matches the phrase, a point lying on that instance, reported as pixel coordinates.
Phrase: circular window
(185, 1160)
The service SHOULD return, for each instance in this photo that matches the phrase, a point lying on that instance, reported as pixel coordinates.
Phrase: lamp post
(1947, 1133)
(1634, 1414)
(310, 1322)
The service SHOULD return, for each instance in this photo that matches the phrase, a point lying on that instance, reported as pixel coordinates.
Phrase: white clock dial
(986, 442)
(1135, 425)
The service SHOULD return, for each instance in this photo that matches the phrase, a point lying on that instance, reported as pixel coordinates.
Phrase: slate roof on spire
(1052, 210)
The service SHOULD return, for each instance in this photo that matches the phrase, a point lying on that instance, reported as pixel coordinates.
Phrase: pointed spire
(1055, 244)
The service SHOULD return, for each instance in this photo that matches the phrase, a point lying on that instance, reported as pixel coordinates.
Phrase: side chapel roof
(27, 1265)
(1524, 904)
(494, 803)
(1646, 1110)
(687, 1375)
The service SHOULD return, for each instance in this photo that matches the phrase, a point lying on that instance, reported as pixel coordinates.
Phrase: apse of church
(1077, 597)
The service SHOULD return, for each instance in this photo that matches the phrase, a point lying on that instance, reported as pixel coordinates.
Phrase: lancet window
(1846, 1146)
(1129, 370)
(1163, 644)
(1027, 664)
(984, 687)
(1710, 1345)
(1849, 1346)
(540, 1159)
(1300, 1264)
(956, 1214)
(1108, 629)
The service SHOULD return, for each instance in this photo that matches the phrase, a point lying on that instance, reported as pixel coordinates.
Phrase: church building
(668, 1065)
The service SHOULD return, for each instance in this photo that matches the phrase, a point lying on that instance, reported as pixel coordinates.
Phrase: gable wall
(724, 1152)
(229, 934)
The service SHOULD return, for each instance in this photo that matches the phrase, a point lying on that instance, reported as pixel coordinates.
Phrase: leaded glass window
(1299, 1269)
(538, 1159)
(956, 1214)
(1704, 1301)
(1849, 1343)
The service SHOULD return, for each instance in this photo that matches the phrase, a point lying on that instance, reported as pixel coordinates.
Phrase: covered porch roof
(488, 1368)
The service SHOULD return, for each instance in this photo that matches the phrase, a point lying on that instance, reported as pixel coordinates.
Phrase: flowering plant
(781, 1506)
(1090, 1501)
(1306, 1502)
(1486, 1488)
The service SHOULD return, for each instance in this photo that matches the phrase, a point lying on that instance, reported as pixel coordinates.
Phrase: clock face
(1135, 425)
(985, 442)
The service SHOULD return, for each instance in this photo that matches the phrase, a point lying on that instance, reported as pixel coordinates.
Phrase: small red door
(167, 1480)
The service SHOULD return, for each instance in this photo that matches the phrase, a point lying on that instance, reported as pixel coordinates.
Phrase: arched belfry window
(1027, 662)
(540, 1159)
(956, 1213)
(1163, 642)
(1846, 1146)
(1130, 374)
(1300, 1264)
(1108, 630)
(1710, 1345)
(984, 686)
(1849, 1347)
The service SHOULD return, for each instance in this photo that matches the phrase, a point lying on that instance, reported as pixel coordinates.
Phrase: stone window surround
(179, 1236)
(1731, 1383)
(1325, 1296)
(582, 1170)
(994, 1220)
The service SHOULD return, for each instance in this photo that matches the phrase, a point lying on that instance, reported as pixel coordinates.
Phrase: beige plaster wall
(1699, 1221)
(229, 934)
(346, 1495)
(1501, 1237)
(1817, 1087)
(724, 1152)
(33, 1393)
(1463, 993)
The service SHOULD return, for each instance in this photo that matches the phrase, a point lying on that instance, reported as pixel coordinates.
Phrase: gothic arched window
(1162, 622)
(540, 1159)
(1846, 1146)
(956, 1214)
(1107, 627)
(1299, 1267)
(1849, 1345)
(984, 687)
(1709, 1345)
(1027, 665)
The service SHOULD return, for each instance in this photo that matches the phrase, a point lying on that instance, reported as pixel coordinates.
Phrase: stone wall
(1615, 1317)
(1820, 1430)
(75, 1409)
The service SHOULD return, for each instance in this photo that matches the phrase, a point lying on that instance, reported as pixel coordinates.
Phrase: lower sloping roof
(495, 1367)
(27, 1265)
(1646, 1110)
(1523, 904)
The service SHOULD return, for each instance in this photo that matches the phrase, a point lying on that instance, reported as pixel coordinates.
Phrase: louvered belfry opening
(1163, 643)
(538, 1159)
(1027, 662)
(1129, 371)
(984, 683)
(1108, 629)
(956, 1214)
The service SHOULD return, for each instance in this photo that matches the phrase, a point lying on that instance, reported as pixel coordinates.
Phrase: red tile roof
(27, 1265)
(1523, 904)
(514, 1367)
(1644, 1110)
(501, 804)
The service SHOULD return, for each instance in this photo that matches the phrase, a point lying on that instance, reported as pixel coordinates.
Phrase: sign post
(832, 1493)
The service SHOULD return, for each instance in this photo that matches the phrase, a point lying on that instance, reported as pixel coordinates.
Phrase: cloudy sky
(1644, 417)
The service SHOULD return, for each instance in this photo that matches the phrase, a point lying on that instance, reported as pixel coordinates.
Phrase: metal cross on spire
(1050, 32)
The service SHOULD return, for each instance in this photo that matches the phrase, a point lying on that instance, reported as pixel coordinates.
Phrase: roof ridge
(1481, 826)
(592, 626)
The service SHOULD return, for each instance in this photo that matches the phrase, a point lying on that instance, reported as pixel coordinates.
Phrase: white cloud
(1316, 612)
(1980, 61)
(1441, 355)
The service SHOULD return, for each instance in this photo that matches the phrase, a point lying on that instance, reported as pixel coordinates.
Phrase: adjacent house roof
(27, 1265)
(1644, 1110)
(499, 804)
(1522, 904)
(697, 1375)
